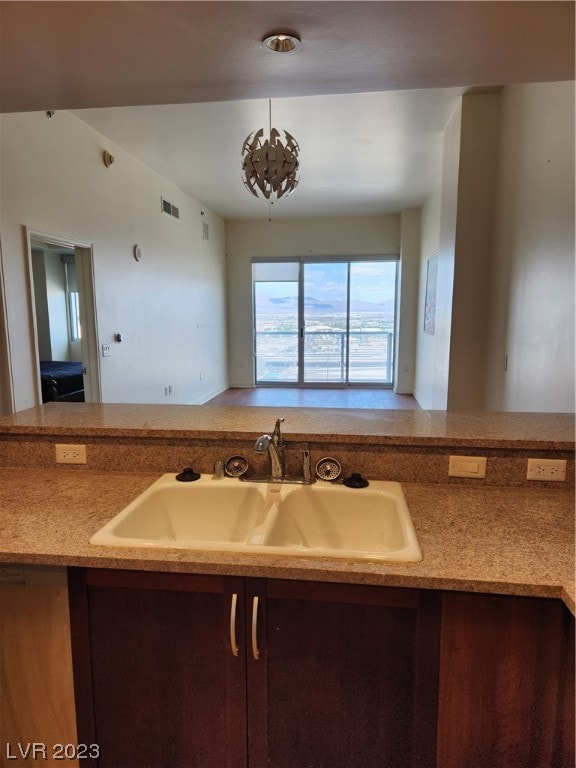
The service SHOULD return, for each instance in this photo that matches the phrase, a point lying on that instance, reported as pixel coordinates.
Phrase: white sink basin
(320, 520)
(346, 522)
(206, 514)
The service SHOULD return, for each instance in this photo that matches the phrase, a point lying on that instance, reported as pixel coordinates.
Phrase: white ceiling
(367, 97)
(360, 154)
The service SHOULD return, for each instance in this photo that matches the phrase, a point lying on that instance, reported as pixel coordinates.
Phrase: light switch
(467, 466)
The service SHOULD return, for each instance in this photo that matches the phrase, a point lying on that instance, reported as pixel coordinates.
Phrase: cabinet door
(36, 690)
(157, 683)
(506, 683)
(345, 675)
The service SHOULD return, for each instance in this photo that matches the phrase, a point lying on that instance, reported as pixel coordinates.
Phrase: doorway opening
(324, 323)
(64, 319)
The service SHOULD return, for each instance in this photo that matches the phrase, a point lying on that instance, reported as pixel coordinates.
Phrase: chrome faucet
(274, 445)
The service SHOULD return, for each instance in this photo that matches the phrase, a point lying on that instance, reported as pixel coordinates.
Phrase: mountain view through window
(333, 323)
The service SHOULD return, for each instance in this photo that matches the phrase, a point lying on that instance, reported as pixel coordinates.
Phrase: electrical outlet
(70, 454)
(547, 469)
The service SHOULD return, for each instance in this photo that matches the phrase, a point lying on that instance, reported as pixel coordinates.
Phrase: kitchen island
(489, 607)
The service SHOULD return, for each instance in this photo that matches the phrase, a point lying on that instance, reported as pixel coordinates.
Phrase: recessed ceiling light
(282, 43)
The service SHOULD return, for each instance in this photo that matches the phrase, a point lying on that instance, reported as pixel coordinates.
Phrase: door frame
(83, 253)
(6, 378)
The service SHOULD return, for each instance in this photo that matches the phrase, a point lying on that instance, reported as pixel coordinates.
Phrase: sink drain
(328, 469)
(236, 466)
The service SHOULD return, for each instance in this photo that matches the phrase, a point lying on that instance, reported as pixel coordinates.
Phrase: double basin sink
(228, 515)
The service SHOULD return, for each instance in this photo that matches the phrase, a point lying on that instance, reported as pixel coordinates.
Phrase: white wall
(170, 307)
(405, 353)
(426, 342)
(502, 222)
(6, 396)
(281, 239)
(474, 237)
(532, 310)
(57, 313)
(51, 299)
(439, 236)
(41, 305)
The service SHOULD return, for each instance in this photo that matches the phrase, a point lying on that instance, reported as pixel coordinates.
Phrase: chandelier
(270, 166)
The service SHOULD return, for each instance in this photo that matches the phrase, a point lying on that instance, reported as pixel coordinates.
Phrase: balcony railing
(370, 357)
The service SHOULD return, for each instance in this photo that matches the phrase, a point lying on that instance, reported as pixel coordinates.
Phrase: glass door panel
(325, 320)
(372, 318)
(324, 323)
(276, 331)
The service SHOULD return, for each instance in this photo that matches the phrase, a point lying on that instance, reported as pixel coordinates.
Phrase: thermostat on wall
(137, 252)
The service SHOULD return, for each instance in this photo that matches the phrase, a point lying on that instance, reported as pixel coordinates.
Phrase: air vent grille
(205, 231)
(170, 209)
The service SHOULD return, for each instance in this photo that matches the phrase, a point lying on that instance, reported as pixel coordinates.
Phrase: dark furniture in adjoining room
(62, 380)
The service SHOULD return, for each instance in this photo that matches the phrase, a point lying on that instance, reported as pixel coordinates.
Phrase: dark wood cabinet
(506, 683)
(345, 675)
(177, 671)
(325, 674)
(156, 682)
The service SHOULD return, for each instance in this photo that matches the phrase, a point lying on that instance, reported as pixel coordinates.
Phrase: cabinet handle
(233, 643)
(255, 649)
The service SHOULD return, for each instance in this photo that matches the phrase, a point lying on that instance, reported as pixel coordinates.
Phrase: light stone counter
(547, 431)
(502, 540)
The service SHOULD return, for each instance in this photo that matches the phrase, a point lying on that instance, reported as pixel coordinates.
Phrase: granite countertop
(551, 431)
(500, 540)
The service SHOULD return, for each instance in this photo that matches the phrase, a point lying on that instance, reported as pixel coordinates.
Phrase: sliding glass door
(322, 323)
(276, 322)
(372, 320)
(325, 322)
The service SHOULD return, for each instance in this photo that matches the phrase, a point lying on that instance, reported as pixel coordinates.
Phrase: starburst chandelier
(270, 166)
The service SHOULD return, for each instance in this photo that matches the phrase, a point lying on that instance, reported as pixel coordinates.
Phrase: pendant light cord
(269, 144)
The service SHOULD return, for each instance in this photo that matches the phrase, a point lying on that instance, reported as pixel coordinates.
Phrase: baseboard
(203, 399)
(419, 399)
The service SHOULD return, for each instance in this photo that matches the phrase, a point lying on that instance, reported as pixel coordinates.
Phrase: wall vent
(169, 209)
(205, 231)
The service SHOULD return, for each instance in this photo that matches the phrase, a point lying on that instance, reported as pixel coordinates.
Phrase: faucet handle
(306, 474)
(277, 437)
